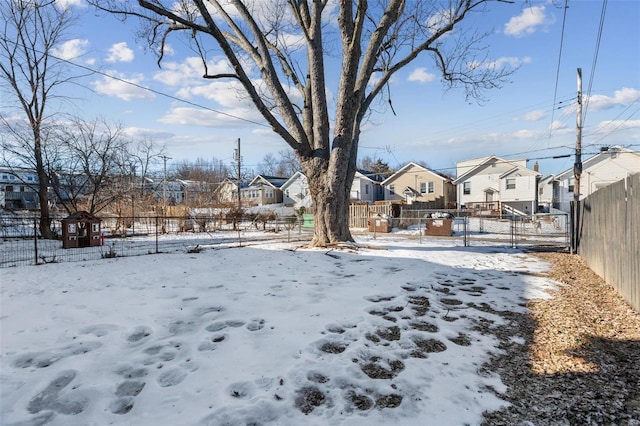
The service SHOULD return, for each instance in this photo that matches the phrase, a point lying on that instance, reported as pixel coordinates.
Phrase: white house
(18, 188)
(608, 166)
(296, 191)
(366, 187)
(493, 184)
(546, 193)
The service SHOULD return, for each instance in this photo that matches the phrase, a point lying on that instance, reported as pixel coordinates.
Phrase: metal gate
(544, 231)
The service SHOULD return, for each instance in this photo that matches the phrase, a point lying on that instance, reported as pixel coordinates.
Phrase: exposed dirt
(573, 359)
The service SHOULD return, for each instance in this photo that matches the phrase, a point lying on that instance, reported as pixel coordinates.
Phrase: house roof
(273, 181)
(519, 169)
(80, 215)
(297, 175)
(493, 159)
(601, 156)
(373, 176)
(233, 182)
(404, 168)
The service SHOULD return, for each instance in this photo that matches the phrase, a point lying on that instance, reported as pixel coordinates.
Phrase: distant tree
(33, 78)
(269, 165)
(143, 155)
(202, 170)
(423, 164)
(278, 51)
(92, 167)
(374, 165)
(284, 166)
(289, 163)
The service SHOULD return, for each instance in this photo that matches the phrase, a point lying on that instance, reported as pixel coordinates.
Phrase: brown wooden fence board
(610, 236)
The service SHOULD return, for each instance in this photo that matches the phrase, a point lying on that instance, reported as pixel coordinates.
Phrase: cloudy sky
(533, 116)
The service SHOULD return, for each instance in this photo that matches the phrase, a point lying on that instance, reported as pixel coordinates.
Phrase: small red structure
(379, 224)
(438, 227)
(81, 229)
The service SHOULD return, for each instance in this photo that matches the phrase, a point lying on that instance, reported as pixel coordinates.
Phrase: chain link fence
(20, 242)
(540, 231)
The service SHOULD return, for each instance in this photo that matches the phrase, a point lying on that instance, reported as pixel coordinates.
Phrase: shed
(81, 229)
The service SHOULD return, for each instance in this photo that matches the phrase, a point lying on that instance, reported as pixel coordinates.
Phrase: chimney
(536, 167)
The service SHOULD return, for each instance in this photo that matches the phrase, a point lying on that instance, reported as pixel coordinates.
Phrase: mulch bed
(580, 361)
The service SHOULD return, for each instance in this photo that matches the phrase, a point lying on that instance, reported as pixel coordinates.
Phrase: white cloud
(536, 115)
(229, 94)
(72, 49)
(421, 76)
(440, 20)
(501, 62)
(558, 125)
(120, 87)
(138, 133)
(120, 52)
(190, 71)
(623, 97)
(200, 117)
(528, 22)
(609, 126)
(65, 4)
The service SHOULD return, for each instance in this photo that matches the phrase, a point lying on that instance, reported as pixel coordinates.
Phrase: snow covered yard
(394, 333)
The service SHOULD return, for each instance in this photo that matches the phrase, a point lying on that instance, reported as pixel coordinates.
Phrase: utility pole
(238, 158)
(577, 167)
(164, 185)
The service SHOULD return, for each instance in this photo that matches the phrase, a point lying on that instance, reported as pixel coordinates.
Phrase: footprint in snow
(256, 324)
(171, 377)
(45, 359)
(126, 391)
(140, 333)
(52, 397)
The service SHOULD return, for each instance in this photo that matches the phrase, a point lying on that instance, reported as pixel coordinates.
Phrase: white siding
(525, 189)
(297, 193)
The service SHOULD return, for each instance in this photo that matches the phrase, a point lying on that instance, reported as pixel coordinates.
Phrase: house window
(431, 188)
(466, 188)
(423, 187)
(570, 184)
(392, 189)
(511, 183)
(366, 189)
(269, 194)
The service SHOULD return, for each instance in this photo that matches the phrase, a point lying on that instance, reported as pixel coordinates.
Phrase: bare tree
(288, 163)
(143, 155)
(32, 31)
(93, 167)
(285, 165)
(210, 171)
(269, 165)
(375, 40)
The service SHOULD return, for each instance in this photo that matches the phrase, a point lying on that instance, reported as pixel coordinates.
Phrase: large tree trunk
(330, 186)
(331, 213)
(43, 188)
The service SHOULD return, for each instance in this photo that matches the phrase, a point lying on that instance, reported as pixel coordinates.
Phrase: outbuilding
(81, 229)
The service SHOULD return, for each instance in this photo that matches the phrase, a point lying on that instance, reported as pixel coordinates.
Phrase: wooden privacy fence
(609, 236)
(359, 214)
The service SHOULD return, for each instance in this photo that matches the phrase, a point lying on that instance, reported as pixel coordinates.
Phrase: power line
(555, 90)
(595, 59)
(148, 89)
